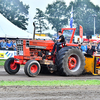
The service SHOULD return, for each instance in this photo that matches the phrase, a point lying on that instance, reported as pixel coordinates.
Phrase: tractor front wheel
(10, 67)
(32, 68)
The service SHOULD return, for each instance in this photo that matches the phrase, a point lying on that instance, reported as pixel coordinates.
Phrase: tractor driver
(91, 50)
(59, 41)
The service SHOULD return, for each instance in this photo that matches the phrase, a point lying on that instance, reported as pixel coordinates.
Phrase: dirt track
(50, 93)
(47, 93)
(21, 76)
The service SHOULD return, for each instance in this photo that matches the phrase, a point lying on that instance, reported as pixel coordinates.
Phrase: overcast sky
(42, 4)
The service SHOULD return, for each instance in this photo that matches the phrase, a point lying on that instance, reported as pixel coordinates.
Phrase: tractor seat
(63, 44)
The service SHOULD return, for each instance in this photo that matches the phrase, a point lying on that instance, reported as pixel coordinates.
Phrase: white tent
(9, 30)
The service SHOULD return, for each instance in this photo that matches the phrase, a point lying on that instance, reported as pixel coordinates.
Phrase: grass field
(50, 83)
(2, 61)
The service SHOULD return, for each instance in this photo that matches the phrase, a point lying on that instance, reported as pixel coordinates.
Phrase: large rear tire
(10, 67)
(32, 68)
(70, 61)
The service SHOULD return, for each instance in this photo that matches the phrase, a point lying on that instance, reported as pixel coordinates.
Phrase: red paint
(72, 62)
(33, 68)
(13, 66)
(71, 40)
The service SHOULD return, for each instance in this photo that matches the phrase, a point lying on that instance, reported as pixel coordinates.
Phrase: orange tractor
(36, 56)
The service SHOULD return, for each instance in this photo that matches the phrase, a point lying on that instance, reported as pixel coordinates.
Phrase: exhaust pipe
(34, 31)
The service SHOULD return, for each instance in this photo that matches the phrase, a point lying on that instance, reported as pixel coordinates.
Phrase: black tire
(61, 53)
(70, 61)
(9, 68)
(32, 68)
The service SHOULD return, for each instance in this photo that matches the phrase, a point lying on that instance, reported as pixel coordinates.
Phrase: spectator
(78, 41)
(14, 45)
(9, 44)
(94, 45)
(79, 46)
(3, 44)
(90, 50)
(84, 48)
(0, 43)
(98, 47)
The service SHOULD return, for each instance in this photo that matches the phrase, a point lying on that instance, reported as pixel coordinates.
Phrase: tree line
(56, 14)
(15, 11)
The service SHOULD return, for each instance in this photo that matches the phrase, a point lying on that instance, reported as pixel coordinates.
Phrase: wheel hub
(72, 62)
(34, 68)
(13, 66)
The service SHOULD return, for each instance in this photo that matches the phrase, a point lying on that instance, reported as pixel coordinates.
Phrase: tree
(39, 21)
(56, 15)
(15, 11)
(83, 15)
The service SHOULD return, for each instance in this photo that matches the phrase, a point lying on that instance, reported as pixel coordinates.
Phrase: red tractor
(36, 56)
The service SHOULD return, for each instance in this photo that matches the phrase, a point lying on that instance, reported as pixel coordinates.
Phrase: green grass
(2, 61)
(50, 83)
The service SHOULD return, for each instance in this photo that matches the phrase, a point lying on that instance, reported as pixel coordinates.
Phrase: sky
(42, 4)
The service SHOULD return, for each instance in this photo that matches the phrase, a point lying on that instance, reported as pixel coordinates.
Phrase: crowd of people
(86, 47)
(91, 48)
(8, 44)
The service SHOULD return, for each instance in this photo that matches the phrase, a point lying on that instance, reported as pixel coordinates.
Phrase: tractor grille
(19, 47)
(19, 42)
(19, 50)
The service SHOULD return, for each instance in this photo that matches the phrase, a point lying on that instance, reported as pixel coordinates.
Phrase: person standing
(84, 48)
(0, 43)
(79, 46)
(98, 47)
(9, 44)
(3, 44)
(14, 45)
(91, 50)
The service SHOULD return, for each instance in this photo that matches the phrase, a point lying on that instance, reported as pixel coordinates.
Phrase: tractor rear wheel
(10, 67)
(32, 68)
(70, 61)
